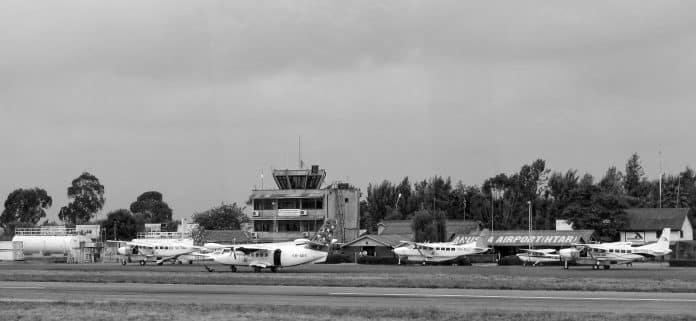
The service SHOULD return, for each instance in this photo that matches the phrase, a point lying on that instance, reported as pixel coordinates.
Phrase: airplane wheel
(123, 262)
(257, 269)
(606, 267)
(274, 269)
(180, 262)
(142, 262)
(190, 261)
(233, 268)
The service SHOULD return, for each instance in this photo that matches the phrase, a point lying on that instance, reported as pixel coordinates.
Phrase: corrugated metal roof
(655, 219)
(390, 240)
(227, 236)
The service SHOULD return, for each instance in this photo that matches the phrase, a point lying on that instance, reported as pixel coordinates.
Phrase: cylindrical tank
(50, 244)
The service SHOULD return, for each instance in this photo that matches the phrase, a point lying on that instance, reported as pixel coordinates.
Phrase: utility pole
(660, 154)
(115, 223)
(529, 203)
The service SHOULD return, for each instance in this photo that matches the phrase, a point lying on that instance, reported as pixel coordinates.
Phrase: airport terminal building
(300, 206)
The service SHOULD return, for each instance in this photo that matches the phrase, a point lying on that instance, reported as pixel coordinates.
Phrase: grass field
(90, 311)
(649, 278)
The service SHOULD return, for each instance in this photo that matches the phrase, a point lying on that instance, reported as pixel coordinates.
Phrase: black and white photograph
(308, 160)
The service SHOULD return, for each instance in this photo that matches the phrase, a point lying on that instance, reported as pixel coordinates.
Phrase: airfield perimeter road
(446, 299)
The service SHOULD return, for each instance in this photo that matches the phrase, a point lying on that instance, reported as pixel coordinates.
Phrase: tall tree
(152, 208)
(634, 176)
(381, 200)
(223, 217)
(591, 208)
(429, 226)
(612, 182)
(125, 223)
(25, 206)
(87, 196)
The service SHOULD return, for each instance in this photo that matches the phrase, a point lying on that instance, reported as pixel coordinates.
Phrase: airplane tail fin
(482, 240)
(663, 242)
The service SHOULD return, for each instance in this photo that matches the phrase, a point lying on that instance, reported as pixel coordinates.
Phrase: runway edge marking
(472, 296)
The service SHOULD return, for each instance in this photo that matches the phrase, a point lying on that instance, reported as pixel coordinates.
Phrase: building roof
(402, 228)
(387, 240)
(539, 237)
(399, 227)
(655, 219)
(227, 236)
(290, 193)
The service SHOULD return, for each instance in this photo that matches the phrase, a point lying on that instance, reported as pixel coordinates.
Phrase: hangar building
(645, 225)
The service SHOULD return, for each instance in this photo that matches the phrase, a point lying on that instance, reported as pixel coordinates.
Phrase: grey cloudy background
(195, 98)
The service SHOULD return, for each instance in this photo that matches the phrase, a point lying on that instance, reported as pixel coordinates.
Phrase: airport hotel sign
(523, 239)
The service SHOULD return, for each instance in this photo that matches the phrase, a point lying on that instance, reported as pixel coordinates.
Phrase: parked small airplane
(538, 256)
(441, 252)
(268, 255)
(161, 251)
(605, 254)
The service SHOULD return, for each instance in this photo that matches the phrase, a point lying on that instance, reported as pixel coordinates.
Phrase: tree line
(505, 199)
(25, 207)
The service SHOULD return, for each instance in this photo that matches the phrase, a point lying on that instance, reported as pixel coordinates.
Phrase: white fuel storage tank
(50, 244)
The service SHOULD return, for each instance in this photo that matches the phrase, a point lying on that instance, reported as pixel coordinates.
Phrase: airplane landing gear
(233, 268)
(208, 268)
(142, 262)
(257, 269)
(274, 269)
(123, 262)
(606, 267)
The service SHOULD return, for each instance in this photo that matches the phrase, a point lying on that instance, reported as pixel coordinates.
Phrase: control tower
(300, 206)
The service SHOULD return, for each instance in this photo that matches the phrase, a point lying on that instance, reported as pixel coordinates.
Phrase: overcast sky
(195, 98)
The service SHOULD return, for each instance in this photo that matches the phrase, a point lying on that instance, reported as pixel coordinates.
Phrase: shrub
(378, 260)
(338, 258)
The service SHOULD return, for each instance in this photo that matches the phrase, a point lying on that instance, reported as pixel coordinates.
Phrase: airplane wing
(540, 251)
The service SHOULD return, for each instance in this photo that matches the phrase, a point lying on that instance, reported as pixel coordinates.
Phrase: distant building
(300, 206)
(645, 225)
(509, 242)
(390, 234)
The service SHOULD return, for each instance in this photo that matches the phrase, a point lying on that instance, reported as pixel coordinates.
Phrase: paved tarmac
(462, 300)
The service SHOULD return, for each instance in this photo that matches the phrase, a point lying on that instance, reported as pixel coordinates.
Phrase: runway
(461, 300)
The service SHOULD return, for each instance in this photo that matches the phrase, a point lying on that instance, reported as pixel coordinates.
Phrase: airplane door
(276, 257)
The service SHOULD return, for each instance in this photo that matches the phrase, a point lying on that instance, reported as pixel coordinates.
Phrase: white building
(645, 225)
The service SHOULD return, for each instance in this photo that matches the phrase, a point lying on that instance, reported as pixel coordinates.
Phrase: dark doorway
(276, 258)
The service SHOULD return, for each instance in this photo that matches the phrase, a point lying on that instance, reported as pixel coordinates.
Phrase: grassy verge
(412, 280)
(170, 312)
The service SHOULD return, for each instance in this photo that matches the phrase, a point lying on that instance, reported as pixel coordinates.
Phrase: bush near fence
(378, 260)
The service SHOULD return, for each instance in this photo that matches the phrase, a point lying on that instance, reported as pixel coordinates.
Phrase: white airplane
(441, 252)
(268, 255)
(605, 254)
(538, 256)
(160, 250)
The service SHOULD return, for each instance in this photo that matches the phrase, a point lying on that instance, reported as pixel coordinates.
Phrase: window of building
(261, 226)
(263, 204)
(681, 234)
(312, 203)
(288, 203)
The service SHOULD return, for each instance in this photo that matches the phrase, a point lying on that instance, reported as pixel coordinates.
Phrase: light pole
(115, 223)
(529, 236)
